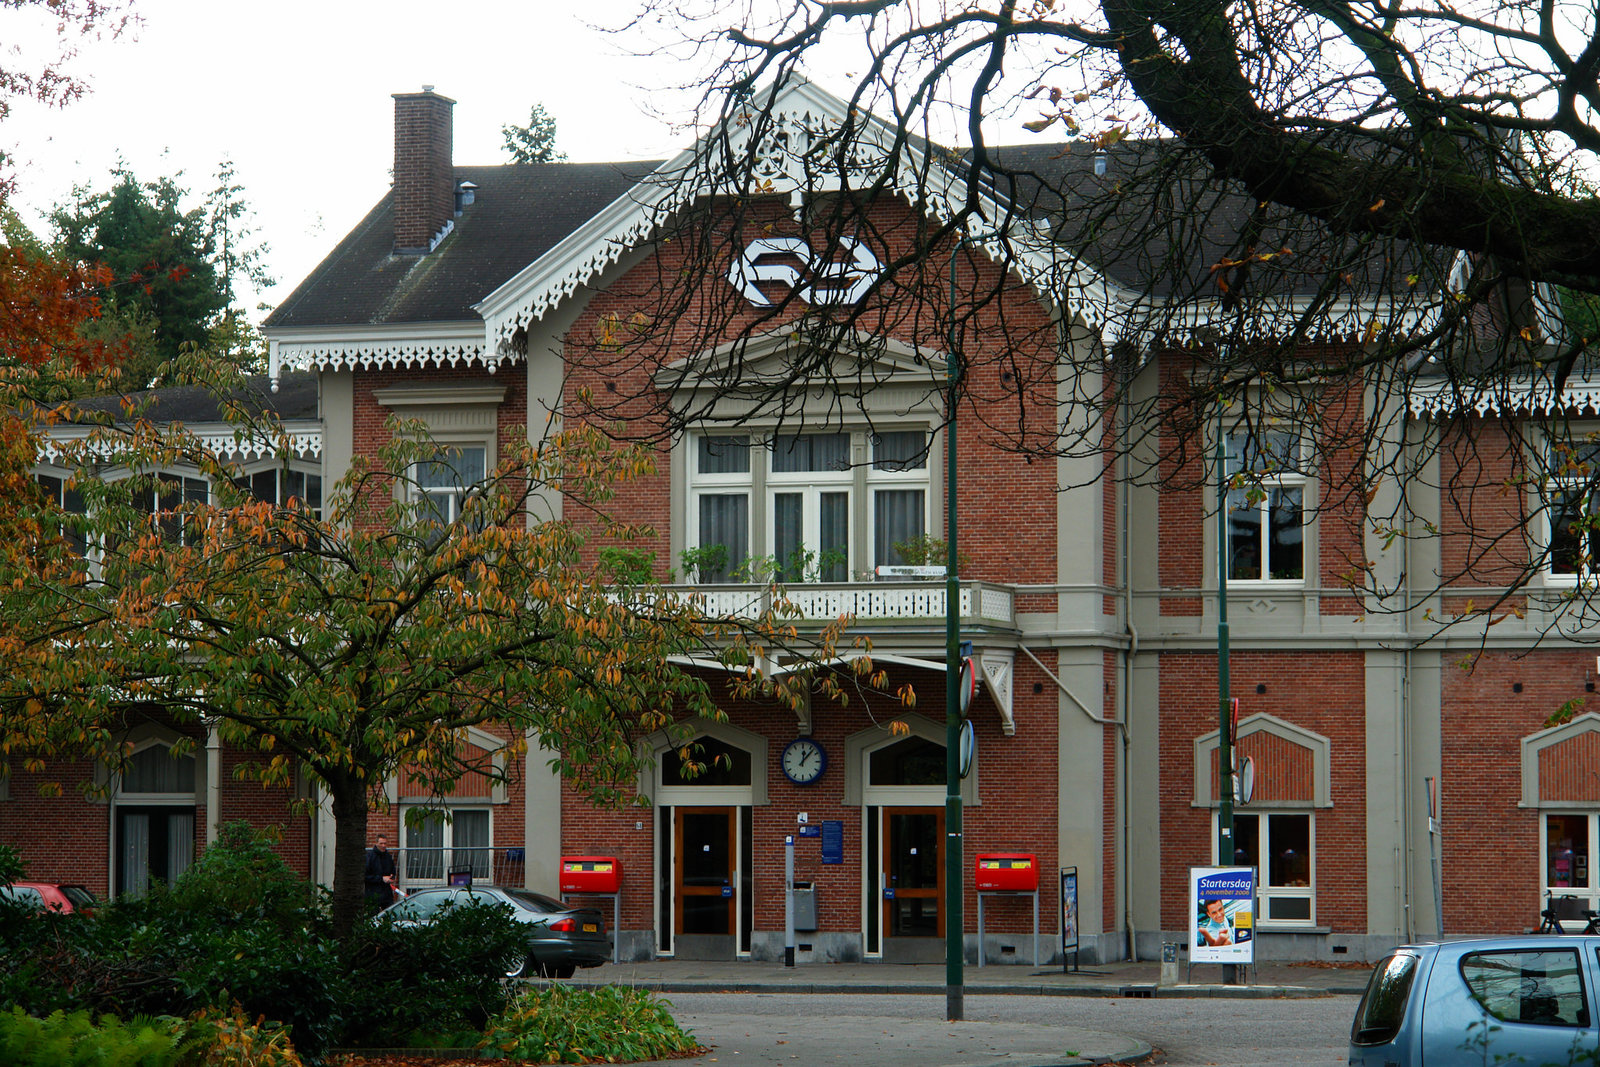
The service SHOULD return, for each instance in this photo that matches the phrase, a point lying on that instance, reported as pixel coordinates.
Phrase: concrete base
(1322, 945)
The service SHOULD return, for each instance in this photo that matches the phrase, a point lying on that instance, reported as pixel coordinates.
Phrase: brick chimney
(424, 176)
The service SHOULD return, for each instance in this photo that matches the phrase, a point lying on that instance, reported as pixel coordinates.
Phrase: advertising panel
(1222, 922)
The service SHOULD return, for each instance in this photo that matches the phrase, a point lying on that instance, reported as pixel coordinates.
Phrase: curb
(1220, 992)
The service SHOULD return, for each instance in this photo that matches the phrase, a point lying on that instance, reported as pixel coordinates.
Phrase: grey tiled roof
(295, 400)
(520, 213)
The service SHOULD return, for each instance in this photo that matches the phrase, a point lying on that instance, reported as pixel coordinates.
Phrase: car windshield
(1383, 1009)
(81, 898)
(537, 903)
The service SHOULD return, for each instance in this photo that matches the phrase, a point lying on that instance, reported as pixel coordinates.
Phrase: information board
(833, 841)
(1069, 912)
(1222, 923)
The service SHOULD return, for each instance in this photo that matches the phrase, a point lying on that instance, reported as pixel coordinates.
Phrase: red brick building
(471, 298)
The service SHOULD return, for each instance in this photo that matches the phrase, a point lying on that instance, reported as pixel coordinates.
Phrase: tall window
(435, 846)
(1569, 843)
(164, 497)
(1570, 503)
(804, 507)
(721, 503)
(279, 486)
(1266, 513)
(899, 481)
(810, 485)
(70, 502)
(445, 482)
(1282, 848)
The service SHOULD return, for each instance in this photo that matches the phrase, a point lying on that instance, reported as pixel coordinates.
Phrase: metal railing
(433, 866)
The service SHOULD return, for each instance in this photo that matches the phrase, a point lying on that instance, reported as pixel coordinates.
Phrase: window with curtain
(824, 514)
(280, 486)
(445, 482)
(164, 497)
(436, 845)
(898, 479)
(1571, 522)
(1266, 507)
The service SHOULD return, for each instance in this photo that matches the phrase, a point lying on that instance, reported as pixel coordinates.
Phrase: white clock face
(803, 760)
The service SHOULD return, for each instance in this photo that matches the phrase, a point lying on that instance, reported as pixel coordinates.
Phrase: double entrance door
(706, 905)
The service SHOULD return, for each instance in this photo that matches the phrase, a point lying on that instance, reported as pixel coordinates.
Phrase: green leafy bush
(571, 1024)
(446, 975)
(60, 1039)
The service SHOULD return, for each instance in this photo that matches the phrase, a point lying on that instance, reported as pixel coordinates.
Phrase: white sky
(297, 94)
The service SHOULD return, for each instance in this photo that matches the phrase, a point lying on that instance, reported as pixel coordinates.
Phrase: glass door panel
(913, 868)
(704, 858)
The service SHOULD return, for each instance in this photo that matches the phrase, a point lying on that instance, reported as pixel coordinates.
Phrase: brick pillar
(424, 177)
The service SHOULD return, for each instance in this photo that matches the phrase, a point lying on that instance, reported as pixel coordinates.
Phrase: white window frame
(1264, 890)
(810, 485)
(1567, 476)
(447, 814)
(733, 483)
(250, 473)
(1269, 482)
(914, 478)
(1590, 893)
(454, 496)
(761, 485)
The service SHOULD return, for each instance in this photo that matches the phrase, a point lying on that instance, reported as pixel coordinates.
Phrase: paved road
(863, 1030)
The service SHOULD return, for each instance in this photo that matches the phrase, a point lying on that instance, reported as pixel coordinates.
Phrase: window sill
(1283, 928)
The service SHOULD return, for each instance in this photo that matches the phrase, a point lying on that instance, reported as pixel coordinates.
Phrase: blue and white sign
(1222, 902)
(791, 262)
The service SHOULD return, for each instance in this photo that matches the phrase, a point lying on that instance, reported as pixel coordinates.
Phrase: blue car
(1523, 1000)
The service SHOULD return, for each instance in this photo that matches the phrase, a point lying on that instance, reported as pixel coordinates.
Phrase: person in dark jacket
(380, 874)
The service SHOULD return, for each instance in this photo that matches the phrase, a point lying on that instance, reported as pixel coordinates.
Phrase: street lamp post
(1225, 846)
(954, 927)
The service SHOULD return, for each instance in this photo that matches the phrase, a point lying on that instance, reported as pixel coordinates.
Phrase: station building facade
(1090, 601)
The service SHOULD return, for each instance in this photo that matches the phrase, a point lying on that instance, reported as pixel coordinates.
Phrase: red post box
(591, 874)
(1003, 872)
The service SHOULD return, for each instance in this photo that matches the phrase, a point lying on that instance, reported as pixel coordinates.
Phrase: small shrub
(568, 1024)
(446, 975)
(215, 1037)
(61, 1038)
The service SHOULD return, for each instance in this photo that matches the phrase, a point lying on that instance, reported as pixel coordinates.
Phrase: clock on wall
(804, 761)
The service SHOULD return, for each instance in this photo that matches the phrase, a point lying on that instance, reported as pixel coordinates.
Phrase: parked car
(1525, 1000)
(51, 896)
(561, 938)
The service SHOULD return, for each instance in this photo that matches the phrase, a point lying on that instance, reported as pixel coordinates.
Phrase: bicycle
(1552, 922)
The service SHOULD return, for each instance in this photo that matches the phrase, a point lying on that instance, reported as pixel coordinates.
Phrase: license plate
(590, 928)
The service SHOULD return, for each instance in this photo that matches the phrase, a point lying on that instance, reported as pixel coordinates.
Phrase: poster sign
(1222, 926)
(1069, 912)
(833, 841)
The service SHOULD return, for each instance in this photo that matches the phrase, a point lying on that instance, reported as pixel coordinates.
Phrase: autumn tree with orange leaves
(360, 642)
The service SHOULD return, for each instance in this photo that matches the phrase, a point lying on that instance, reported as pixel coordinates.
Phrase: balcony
(419, 868)
(980, 604)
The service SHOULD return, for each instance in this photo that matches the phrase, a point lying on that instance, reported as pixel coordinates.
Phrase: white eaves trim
(433, 344)
(1524, 397)
(801, 111)
(305, 442)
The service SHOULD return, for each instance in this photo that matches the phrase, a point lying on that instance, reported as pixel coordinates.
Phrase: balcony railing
(419, 867)
(979, 603)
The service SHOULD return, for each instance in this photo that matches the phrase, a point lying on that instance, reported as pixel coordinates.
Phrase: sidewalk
(1140, 979)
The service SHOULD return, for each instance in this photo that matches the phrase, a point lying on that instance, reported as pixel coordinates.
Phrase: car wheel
(557, 970)
(520, 967)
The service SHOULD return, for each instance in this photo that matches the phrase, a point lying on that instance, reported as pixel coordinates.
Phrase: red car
(50, 896)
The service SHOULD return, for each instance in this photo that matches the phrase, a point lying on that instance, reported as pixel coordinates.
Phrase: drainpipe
(1126, 504)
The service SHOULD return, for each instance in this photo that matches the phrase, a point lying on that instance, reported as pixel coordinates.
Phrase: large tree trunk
(349, 798)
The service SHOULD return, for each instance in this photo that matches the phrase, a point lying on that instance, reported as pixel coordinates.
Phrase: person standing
(380, 873)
